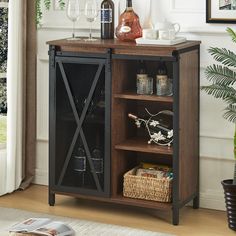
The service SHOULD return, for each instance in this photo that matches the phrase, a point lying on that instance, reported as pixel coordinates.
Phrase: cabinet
(92, 90)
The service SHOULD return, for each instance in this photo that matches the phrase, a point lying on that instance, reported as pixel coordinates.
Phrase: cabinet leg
(51, 198)
(196, 202)
(175, 216)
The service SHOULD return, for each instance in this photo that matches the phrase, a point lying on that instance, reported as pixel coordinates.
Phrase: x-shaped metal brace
(79, 121)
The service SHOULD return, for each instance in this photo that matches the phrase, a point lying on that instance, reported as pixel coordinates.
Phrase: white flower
(170, 134)
(154, 123)
(138, 123)
(156, 137)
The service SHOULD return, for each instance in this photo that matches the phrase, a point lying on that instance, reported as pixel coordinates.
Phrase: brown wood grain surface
(188, 124)
(134, 96)
(129, 145)
(119, 47)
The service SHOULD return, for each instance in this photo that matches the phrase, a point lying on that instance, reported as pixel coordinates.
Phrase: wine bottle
(159, 130)
(162, 69)
(97, 161)
(107, 19)
(129, 27)
(144, 83)
(142, 70)
(162, 81)
(79, 166)
(154, 127)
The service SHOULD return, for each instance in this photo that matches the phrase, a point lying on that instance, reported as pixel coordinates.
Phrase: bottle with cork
(163, 83)
(129, 27)
(107, 19)
(143, 82)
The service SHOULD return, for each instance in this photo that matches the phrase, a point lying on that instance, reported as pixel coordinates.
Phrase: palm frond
(226, 57)
(220, 75)
(231, 99)
(230, 113)
(219, 91)
(232, 33)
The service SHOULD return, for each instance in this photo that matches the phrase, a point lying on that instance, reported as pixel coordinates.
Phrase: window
(3, 68)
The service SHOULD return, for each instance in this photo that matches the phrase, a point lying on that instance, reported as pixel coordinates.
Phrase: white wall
(216, 143)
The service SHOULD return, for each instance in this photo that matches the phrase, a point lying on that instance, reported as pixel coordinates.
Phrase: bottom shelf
(142, 203)
(119, 199)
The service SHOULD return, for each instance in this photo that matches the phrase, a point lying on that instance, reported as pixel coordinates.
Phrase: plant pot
(230, 200)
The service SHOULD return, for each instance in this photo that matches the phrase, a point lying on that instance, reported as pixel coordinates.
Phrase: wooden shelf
(119, 199)
(134, 96)
(141, 203)
(141, 145)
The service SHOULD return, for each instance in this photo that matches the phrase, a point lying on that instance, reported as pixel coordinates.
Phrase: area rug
(10, 216)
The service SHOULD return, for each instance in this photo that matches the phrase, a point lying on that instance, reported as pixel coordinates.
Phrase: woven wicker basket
(146, 188)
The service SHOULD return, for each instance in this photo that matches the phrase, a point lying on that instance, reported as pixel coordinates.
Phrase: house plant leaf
(222, 78)
(47, 4)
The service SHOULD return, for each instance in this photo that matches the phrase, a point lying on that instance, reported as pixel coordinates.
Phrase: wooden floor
(200, 222)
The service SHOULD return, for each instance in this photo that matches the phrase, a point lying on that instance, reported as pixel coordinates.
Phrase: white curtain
(11, 160)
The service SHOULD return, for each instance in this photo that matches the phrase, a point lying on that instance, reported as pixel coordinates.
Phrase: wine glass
(90, 12)
(73, 13)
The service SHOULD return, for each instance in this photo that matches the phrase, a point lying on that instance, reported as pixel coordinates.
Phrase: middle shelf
(134, 96)
(140, 145)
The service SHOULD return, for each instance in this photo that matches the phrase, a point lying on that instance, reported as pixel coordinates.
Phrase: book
(42, 226)
(159, 167)
(152, 173)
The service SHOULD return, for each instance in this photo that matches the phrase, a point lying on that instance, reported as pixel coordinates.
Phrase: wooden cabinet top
(119, 47)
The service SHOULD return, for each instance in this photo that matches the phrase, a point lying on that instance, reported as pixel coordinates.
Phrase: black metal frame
(52, 123)
(209, 19)
(141, 57)
(57, 60)
(175, 188)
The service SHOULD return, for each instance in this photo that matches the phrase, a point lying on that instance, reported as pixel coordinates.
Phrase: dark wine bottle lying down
(160, 132)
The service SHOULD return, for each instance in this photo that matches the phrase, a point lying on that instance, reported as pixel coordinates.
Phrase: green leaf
(226, 57)
(230, 113)
(39, 13)
(219, 91)
(220, 75)
(47, 4)
(232, 33)
(62, 4)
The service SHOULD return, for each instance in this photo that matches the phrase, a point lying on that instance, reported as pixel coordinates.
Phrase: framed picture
(221, 11)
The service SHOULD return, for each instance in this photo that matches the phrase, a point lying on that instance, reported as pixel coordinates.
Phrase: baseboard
(212, 200)
(41, 177)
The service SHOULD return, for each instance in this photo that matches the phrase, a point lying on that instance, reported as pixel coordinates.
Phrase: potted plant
(223, 78)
